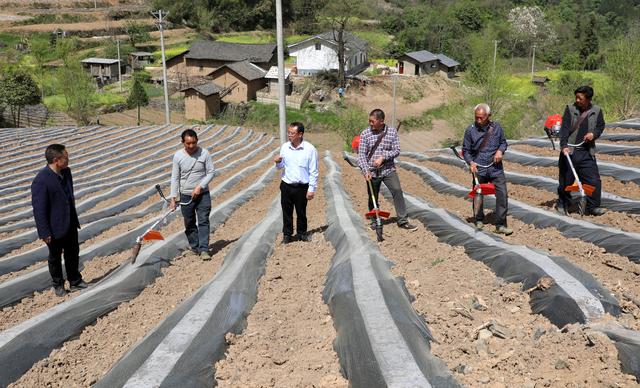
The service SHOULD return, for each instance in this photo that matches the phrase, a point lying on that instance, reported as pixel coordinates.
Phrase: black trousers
(587, 170)
(293, 196)
(502, 199)
(69, 245)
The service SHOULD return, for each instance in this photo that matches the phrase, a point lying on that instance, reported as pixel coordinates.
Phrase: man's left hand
(497, 158)
(588, 137)
(196, 192)
(378, 162)
(310, 195)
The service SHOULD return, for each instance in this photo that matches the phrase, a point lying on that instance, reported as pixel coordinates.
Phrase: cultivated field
(555, 304)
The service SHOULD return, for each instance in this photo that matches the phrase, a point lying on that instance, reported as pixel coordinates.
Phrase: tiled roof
(232, 52)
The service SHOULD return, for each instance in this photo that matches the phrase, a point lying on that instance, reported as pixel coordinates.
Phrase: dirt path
(289, 334)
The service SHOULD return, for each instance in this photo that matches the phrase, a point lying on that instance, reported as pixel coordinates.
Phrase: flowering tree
(530, 27)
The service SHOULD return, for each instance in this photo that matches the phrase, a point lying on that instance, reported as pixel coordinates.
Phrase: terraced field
(555, 304)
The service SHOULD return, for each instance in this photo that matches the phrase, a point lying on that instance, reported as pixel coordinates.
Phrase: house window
(433, 65)
(318, 46)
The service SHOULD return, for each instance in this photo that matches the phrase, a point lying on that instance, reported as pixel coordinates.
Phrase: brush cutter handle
(575, 145)
(575, 175)
(159, 190)
(457, 154)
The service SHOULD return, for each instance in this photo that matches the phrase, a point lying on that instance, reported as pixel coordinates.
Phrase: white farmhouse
(320, 52)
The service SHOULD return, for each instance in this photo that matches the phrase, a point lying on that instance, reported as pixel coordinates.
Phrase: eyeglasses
(292, 133)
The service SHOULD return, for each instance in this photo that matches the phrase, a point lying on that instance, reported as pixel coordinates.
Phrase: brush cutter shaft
(575, 175)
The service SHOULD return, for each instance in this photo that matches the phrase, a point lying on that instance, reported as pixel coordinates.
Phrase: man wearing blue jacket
(54, 210)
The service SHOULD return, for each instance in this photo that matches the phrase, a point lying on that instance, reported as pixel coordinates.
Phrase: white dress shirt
(300, 164)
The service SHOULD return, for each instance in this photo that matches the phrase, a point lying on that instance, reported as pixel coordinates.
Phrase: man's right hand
(565, 150)
(172, 204)
(367, 176)
(47, 240)
(278, 159)
(474, 167)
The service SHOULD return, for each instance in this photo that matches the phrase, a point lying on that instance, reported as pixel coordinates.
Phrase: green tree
(623, 66)
(17, 90)
(338, 14)
(40, 51)
(78, 89)
(138, 97)
(137, 32)
(490, 79)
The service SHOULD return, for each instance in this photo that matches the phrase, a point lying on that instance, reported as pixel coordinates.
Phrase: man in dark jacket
(54, 210)
(582, 123)
(483, 147)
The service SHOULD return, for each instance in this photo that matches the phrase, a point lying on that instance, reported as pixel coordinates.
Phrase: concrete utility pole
(282, 113)
(393, 117)
(533, 61)
(119, 66)
(160, 22)
(495, 53)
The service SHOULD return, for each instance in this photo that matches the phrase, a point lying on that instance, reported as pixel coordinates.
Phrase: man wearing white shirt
(299, 159)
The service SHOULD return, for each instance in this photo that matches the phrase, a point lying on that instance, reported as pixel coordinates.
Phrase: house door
(417, 70)
(401, 67)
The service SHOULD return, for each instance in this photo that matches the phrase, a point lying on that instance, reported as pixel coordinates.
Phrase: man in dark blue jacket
(483, 146)
(54, 210)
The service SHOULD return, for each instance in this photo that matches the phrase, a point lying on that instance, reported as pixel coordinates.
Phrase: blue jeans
(198, 210)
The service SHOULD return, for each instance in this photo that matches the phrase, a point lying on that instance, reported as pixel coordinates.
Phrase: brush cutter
(151, 234)
(377, 213)
(478, 188)
(583, 189)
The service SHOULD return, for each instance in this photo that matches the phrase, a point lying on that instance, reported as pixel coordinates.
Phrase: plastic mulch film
(628, 344)
(618, 171)
(575, 295)
(25, 259)
(39, 279)
(26, 153)
(612, 239)
(381, 340)
(602, 148)
(630, 124)
(620, 136)
(151, 177)
(181, 350)
(26, 343)
(609, 201)
(35, 164)
(87, 177)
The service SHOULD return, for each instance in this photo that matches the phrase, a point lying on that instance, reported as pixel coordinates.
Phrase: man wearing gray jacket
(192, 171)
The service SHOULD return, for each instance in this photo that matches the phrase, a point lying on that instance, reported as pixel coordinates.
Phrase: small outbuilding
(272, 81)
(418, 63)
(447, 66)
(140, 59)
(201, 102)
(102, 69)
(241, 80)
(540, 80)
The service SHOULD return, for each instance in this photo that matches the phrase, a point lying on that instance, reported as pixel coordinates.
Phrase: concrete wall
(430, 67)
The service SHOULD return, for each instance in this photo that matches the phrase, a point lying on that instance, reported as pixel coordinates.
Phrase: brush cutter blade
(582, 206)
(588, 189)
(134, 252)
(379, 236)
(152, 235)
(485, 189)
(381, 213)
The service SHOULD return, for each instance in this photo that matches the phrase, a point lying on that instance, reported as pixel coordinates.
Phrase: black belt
(295, 184)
